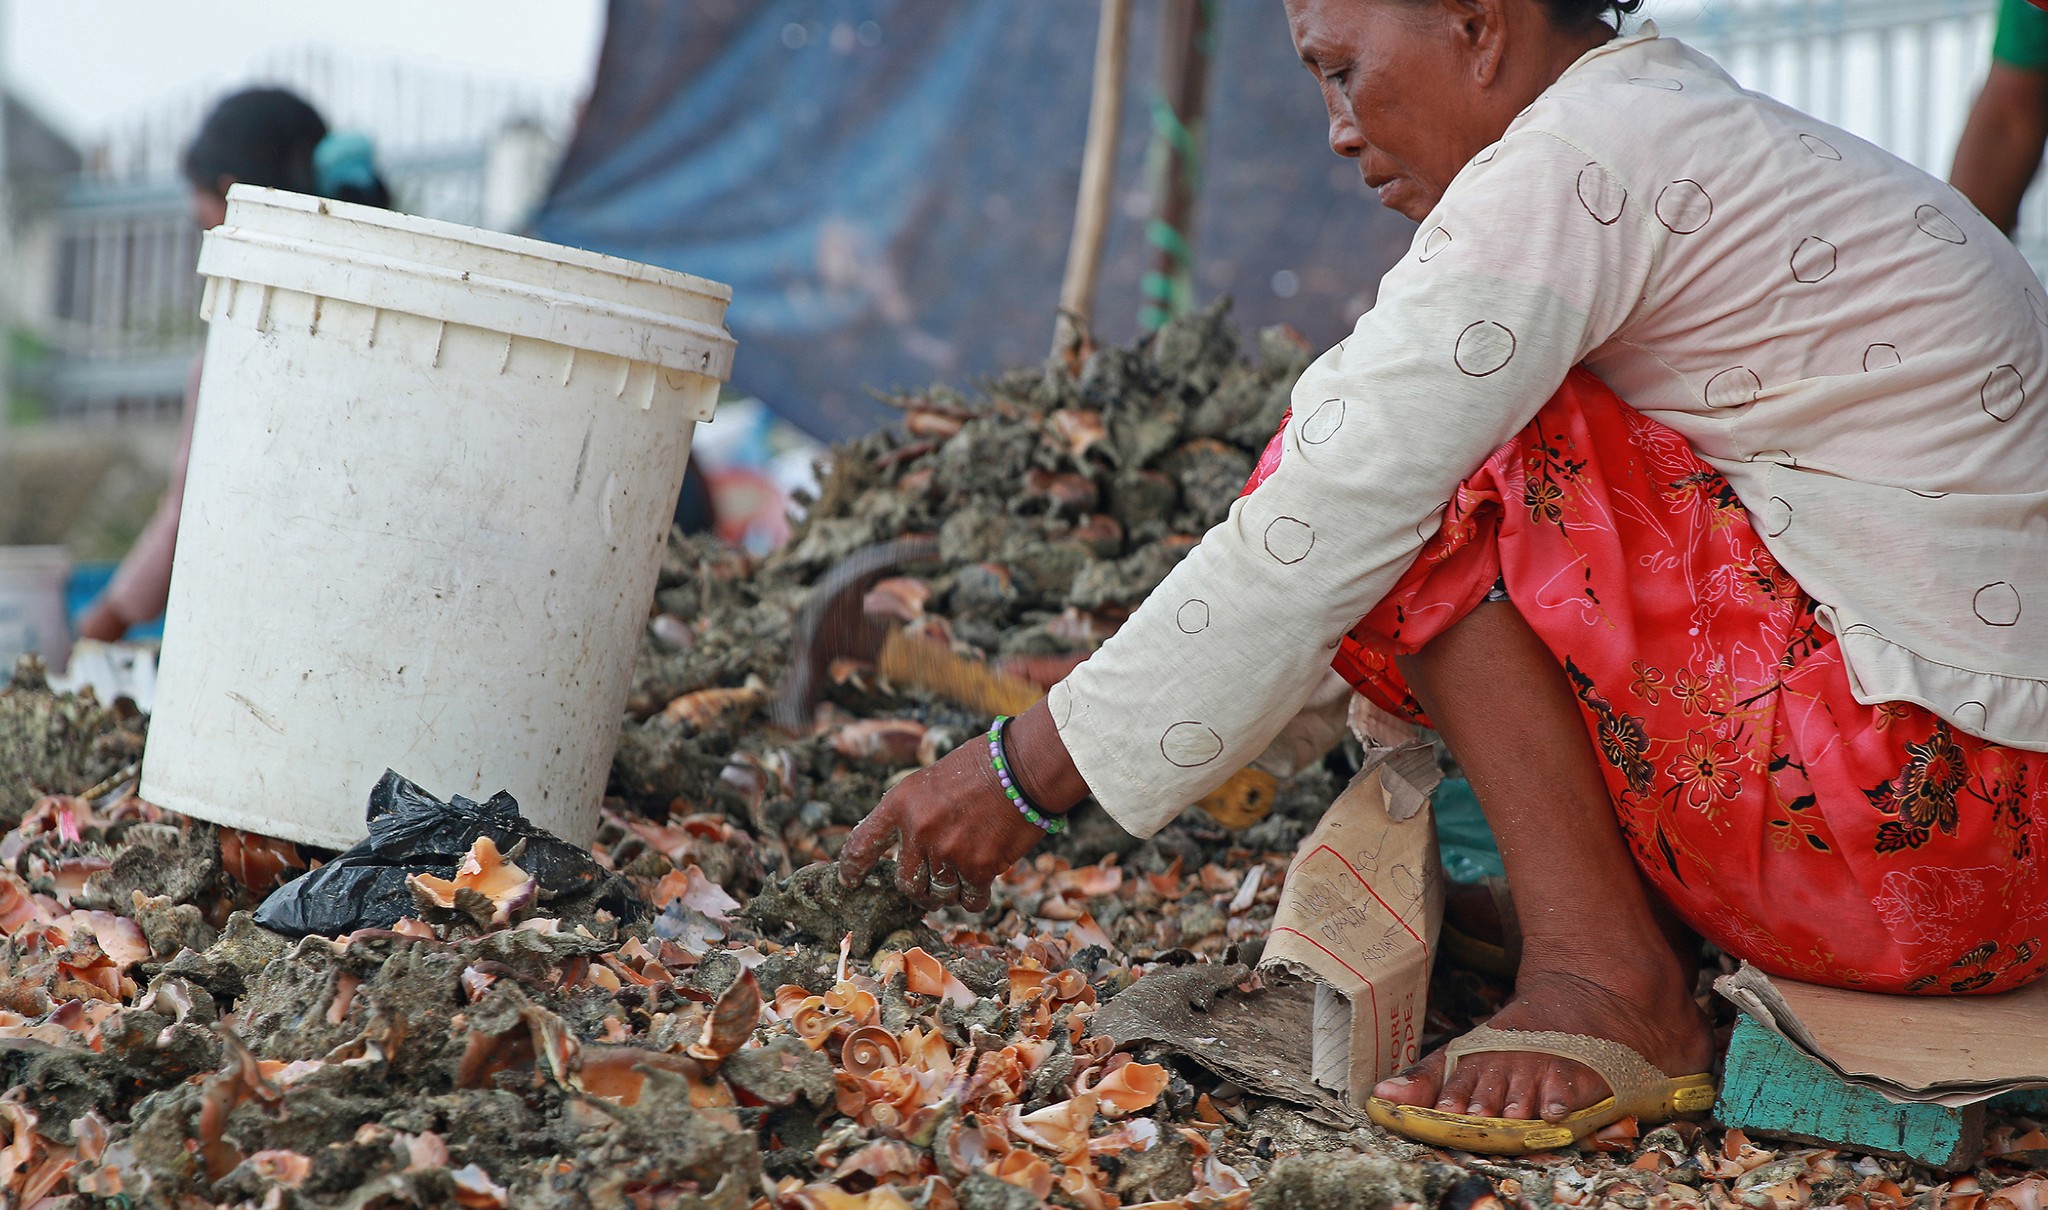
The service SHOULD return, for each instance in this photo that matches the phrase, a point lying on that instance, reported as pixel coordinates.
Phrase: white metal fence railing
(118, 309)
(1901, 73)
(410, 109)
(123, 322)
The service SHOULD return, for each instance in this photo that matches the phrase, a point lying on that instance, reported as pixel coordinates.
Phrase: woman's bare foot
(1646, 1006)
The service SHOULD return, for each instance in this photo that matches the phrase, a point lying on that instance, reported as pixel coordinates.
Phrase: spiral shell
(814, 1023)
(857, 1003)
(868, 1050)
(788, 998)
(1071, 985)
(1028, 981)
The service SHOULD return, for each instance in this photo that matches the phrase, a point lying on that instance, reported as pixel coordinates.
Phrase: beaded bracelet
(1050, 825)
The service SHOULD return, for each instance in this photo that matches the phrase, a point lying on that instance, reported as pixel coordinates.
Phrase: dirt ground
(740, 1031)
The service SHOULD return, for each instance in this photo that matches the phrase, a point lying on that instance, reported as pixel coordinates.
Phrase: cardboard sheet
(1259, 1041)
(1359, 914)
(1947, 1050)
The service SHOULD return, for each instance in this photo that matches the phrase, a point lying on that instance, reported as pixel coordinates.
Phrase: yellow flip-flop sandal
(1638, 1088)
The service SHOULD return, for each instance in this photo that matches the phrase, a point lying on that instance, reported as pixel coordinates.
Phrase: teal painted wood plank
(1770, 1087)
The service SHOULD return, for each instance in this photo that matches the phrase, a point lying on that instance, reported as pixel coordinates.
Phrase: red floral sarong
(1872, 847)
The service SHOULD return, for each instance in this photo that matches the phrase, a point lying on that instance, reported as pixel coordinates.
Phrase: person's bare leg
(1595, 959)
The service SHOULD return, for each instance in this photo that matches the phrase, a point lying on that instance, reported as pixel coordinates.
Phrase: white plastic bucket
(32, 615)
(431, 478)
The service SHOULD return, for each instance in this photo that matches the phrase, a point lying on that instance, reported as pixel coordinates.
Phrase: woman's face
(1414, 90)
(209, 207)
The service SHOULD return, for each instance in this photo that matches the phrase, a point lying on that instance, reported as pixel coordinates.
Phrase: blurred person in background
(263, 136)
(2001, 146)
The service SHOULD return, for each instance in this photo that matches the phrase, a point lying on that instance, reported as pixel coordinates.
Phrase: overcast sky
(86, 63)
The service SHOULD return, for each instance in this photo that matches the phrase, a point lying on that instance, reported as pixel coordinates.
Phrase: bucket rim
(251, 198)
(471, 277)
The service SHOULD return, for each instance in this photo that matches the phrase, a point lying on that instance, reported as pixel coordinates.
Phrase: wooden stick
(1186, 42)
(1098, 174)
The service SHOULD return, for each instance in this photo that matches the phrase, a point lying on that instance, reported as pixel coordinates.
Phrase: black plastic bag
(412, 832)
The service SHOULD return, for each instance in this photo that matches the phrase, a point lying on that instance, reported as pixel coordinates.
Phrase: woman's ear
(1481, 29)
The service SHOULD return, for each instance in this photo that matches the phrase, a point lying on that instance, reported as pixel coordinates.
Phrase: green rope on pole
(1170, 289)
(1167, 125)
(1162, 236)
(1171, 294)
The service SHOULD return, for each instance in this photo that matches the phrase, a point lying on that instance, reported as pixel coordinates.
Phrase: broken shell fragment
(930, 422)
(1067, 492)
(280, 1167)
(708, 708)
(696, 892)
(1082, 432)
(488, 886)
(256, 861)
(1026, 1171)
(927, 976)
(901, 598)
(1131, 1087)
(731, 1021)
(892, 741)
(118, 937)
(1060, 1128)
(885, 1160)
(475, 1190)
(856, 1002)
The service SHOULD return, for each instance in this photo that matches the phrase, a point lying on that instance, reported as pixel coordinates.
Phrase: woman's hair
(1574, 14)
(273, 138)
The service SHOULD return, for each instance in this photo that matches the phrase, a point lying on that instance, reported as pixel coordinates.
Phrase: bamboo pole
(1186, 44)
(1098, 175)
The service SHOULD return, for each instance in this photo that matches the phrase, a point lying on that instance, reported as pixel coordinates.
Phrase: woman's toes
(1459, 1090)
(1521, 1099)
(1417, 1086)
(1556, 1095)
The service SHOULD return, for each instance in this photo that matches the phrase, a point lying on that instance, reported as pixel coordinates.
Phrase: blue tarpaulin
(888, 185)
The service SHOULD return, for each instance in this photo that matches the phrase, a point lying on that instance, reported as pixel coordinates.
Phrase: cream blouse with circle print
(1858, 351)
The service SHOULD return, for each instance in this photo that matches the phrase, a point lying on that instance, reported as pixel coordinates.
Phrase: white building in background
(1900, 73)
(114, 295)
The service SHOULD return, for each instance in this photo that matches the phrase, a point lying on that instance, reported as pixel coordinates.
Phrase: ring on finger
(947, 887)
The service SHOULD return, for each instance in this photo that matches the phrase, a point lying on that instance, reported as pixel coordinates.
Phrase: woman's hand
(102, 622)
(958, 830)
